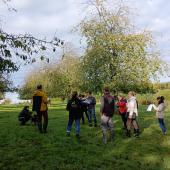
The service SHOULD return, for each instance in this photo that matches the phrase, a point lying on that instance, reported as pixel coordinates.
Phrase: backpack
(109, 106)
(73, 105)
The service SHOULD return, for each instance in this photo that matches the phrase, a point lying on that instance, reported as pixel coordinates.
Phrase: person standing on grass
(40, 107)
(107, 109)
(91, 104)
(84, 108)
(74, 106)
(160, 113)
(132, 113)
(121, 104)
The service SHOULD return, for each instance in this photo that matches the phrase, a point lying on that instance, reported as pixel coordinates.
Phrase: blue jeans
(92, 115)
(162, 125)
(77, 126)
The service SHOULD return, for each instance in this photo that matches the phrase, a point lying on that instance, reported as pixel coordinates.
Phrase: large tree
(117, 54)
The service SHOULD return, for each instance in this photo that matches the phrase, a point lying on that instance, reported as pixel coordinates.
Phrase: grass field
(23, 148)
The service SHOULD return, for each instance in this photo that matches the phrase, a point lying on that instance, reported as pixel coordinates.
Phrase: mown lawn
(23, 148)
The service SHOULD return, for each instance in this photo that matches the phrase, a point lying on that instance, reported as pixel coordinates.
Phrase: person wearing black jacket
(75, 113)
(84, 108)
(25, 115)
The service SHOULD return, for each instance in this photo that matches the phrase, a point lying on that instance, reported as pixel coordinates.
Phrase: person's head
(83, 96)
(160, 99)
(131, 94)
(120, 96)
(80, 96)
(89, 93)
(39, 87)
(106, 91)
(26, 107)
(74, 94)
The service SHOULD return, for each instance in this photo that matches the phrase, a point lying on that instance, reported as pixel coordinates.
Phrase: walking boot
(128, 133)
(104, 139)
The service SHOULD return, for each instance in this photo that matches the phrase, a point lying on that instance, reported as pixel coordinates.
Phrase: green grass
(23, 148)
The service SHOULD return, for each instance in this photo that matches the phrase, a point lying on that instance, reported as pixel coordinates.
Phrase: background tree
(58, 79)
(22, 49)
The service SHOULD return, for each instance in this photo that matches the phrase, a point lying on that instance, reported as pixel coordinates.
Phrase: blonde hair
(132, 93)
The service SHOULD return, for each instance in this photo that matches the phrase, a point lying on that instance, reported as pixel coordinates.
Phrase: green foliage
(58, 80)
(23, 49)
(22, 147)
(116, 55)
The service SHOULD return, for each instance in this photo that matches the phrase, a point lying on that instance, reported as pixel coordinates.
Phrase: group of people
(128, 109)
(109, 105)
(78, 105)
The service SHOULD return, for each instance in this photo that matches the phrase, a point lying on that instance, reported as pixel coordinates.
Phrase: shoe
(90, 125)
(45, 131)
(128, 133)
(95, 125)
(77, 136)
(68, 134)
(104, 139)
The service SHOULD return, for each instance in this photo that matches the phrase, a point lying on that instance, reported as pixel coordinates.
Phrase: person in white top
(160, 113)
(132, 113)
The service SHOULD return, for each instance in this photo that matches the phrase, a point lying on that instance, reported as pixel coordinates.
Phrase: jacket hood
(38, 92)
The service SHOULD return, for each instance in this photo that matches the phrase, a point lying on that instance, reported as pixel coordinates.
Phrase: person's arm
(68, 105)
(160, 108)
(45, 99)
(101, 105)
(94, 101)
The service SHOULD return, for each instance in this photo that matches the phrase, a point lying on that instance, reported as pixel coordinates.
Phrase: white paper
(149, 109)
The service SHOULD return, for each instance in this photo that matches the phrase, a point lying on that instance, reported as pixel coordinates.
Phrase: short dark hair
(74, 94)
(106, 89)
(39, 87)
(161, 99)
(90, 92)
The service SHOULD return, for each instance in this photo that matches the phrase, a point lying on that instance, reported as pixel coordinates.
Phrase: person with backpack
(107, 109)
(74, 106)
(40, 102)
(121, 104)
(91, 104)
(132, 114)
(160, 113)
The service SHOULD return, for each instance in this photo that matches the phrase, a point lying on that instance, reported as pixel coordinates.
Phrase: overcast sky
(46, 18)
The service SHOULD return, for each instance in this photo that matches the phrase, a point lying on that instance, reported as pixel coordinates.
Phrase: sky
(44, 18)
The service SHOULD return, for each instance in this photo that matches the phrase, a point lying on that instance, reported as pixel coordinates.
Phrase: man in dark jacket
(25, 115)
(75, 113)
(107, 111)
(91, 104)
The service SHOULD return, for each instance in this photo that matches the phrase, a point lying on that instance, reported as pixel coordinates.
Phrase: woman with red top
(121, 104)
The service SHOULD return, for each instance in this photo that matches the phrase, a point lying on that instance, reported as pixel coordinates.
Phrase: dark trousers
(124, 119)
(44, 114)
(162, 125)
(87, 116)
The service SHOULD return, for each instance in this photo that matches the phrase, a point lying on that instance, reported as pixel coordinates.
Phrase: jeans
(87, 116)
(92, 114)
(124, 119)
(77, 125)
(162, 124)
